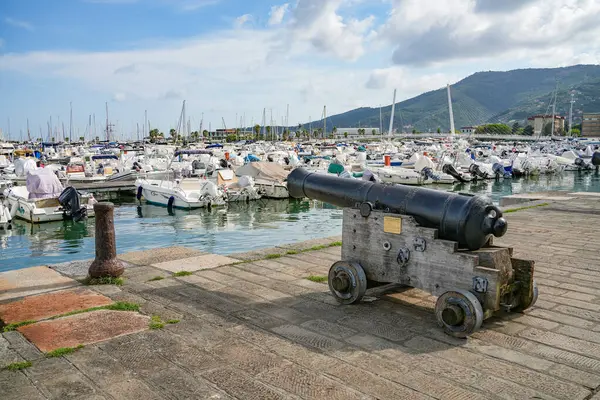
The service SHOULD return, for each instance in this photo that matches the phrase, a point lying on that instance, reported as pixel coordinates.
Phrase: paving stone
(152, 256)
(206, 261)
(34, 280)
(21, 346)
(306, 384)
(58, 379)
(73, 269)
(35, 308)
(86, 328)
(7, 354)
(307, 337)
(14, 385)
(243, 386)
(327, 328)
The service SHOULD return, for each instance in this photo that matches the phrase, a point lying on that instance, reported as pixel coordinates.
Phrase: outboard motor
(499, 171)
(72, 208)
(286, 160)
(196, 164)
(450, 170)
(223, 163)
(596, 159)
(581, 164)
(428, 173)
(477, 172)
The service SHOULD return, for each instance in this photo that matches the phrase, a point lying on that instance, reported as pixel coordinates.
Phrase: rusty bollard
(106, 263)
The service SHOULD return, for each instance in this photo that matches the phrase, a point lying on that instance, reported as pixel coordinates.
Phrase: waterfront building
(590, 125)
(542, 124)
(355, 132)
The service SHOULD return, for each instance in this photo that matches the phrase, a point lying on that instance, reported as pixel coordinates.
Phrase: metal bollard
(106, 262)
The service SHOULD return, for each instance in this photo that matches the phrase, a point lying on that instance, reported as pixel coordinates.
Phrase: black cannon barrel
(466, 219)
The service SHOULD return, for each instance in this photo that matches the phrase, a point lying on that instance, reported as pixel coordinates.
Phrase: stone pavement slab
(86, 328)
(34, 280)
(35, 308)
(197, 263)
(152, 256)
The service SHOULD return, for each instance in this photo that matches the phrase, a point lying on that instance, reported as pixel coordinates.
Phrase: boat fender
(170, 202)
(139, 193)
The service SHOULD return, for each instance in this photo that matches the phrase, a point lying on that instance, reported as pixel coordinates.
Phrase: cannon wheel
(347, 281)
(523, 307)
(459, 313)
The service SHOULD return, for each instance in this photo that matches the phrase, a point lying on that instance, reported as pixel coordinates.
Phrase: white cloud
(277, 13)
(241, 20)
(462, 30)
(318, 23)
(119, 97)
(19, 23)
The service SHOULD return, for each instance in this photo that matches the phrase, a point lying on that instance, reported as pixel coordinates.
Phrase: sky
(232, 59)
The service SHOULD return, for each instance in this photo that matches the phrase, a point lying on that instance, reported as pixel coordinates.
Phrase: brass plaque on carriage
(392, 225)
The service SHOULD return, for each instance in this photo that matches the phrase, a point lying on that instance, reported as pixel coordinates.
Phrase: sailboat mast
(380, 122)
(71, 122)
(324, 123)
(28, 133)
(392, 115)
(107, 127)
(145, 123)
(571, 113)
(450, 110)
(553, 113)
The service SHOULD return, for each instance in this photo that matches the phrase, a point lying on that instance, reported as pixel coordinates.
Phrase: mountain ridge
(486, 97)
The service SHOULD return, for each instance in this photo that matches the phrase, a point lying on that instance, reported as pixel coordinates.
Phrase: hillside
(487, 97)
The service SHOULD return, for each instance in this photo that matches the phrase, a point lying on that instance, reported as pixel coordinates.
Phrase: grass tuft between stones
(291, 252)
(172, 321)
(317, 278)
(156, 278)
(511, 210)
(13, 327)
(156, 323)
(182, 273)
(18, 366)
(117, 306)
(105, 280)
(63, 351)
(272, 256)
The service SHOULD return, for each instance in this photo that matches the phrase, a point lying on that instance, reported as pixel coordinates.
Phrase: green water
(237, 228)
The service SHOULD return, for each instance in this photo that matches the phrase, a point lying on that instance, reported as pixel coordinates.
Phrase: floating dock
(261, 325)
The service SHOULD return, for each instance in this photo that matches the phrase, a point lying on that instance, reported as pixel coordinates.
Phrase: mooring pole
(106, 263)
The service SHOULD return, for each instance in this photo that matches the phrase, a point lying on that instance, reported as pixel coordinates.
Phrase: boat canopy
(263, 170)
(197, 151)
(214, 146)
(105, 157)
(43, 184)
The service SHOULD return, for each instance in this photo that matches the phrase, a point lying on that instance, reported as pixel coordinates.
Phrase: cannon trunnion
(472, 279)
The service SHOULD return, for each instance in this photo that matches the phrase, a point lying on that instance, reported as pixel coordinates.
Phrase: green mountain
(488, 97)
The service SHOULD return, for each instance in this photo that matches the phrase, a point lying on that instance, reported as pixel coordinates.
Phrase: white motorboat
(186, 194)
(5, 217)
(398, 175)
(44, 200)
(269, 178)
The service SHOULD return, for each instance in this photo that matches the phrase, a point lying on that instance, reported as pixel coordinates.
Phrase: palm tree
(334, 130)
(346, 135)
(256, 131)
(268, 132)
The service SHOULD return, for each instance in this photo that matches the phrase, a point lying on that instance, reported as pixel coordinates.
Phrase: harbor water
(235, 228)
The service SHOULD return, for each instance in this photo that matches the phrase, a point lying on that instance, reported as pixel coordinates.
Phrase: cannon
(436, 241)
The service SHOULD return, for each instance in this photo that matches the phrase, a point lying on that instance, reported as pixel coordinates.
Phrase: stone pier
(190, 325)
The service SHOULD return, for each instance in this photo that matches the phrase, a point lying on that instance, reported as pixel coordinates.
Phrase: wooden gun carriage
(435, 241)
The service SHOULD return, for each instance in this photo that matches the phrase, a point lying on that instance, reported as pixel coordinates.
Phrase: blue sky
(231, 58)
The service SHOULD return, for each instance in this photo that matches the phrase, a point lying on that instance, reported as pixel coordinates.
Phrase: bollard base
(106, 268)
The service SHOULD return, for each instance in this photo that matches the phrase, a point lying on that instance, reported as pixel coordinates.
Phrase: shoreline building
(355, 132)
(590, 126)
(543, 123)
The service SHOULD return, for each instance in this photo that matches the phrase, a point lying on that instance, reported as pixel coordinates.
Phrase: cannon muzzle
(466, 219)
